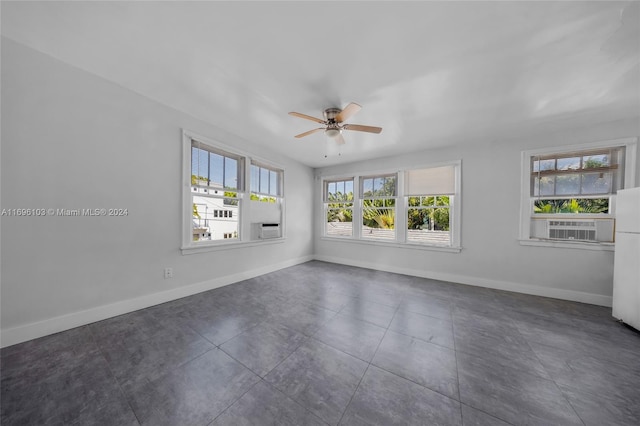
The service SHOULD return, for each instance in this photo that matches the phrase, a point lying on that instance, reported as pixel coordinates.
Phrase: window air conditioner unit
(598, 230)
(269, 230)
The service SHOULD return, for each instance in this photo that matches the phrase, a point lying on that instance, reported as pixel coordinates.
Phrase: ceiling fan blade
(308, 117)
(301, 135)
(361, 128)
(339, 139)
(347, 112)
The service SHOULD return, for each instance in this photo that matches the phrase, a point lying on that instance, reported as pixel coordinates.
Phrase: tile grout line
(455, 355)
(458, 376)
(551, 376)
(235, 400)
(117, 382)
(346, 408)
(459, 356)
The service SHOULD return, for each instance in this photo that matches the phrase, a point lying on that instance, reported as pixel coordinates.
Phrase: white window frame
(455, 202)
(244, 239)
(362, 198)
(400, 241)
(526, 199)
(280, 185)
(326, 202)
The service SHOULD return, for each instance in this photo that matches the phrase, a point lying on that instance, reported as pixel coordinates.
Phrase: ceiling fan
(333, 122)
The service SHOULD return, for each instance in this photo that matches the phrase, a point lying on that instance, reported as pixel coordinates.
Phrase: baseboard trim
(49, 326)
(575, 296)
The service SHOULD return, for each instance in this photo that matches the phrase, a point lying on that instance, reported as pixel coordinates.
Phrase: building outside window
(228, 196)
(216, 178)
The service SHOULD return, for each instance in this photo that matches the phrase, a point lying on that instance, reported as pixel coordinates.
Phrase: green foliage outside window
(264, 199)
(579, 205)
(433, 214)
(379, 213)
(340, 207)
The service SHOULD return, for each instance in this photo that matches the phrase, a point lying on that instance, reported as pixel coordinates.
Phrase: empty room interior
(320, 213)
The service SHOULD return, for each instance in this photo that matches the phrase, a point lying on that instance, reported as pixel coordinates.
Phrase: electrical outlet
(168, 273)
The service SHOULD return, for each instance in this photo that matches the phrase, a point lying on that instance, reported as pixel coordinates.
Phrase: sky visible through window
(220, 171)
(265, 181)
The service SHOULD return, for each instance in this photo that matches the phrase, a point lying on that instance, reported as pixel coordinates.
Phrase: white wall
(491, 255)
(73, 140)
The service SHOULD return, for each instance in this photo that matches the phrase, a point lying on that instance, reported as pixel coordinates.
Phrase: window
(338, 207)
(216, 178)
(266, 183)
(379, 206)
(570, 194)
(576, 182)
(216, 206)
(430, 194)
(413, 208)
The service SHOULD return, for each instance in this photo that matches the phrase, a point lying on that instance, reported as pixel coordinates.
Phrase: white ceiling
(431, 74)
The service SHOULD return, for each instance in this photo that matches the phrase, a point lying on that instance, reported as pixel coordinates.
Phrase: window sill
(578, 245)
(229, 246)
(394, 244)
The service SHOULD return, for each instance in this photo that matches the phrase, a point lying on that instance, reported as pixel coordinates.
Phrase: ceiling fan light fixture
(332, 132)
(333, 120)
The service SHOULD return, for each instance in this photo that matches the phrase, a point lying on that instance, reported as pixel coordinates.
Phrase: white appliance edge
(626, 271)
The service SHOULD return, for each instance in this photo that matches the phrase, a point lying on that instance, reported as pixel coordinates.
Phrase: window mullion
(401, 210)
(357, 204)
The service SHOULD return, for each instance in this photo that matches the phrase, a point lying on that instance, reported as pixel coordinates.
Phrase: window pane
(547, 165)
(378, 221)
(194, 161)
(216, 168)
(264, 181)
(572, 163)
(577, 205)
(414, 201)
(340, 191)
(418, 219)
(331, 190)
(203, 166)
(442, 200)
(255, 178)
(339, 221)
(367, 187)
(348, 187)
(568, 184)
(544, 186)
(273, 182)
(429, 226)
(595, 161)
(230, 173)
(387, 186)
(199, 166)
(378, 186)
(212, 219)
(596, 183)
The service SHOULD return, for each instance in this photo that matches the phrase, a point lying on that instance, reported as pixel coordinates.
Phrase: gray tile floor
(320, 344)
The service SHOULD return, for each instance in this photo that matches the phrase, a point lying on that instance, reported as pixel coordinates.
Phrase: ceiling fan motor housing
(331, 113)
(333, 119)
